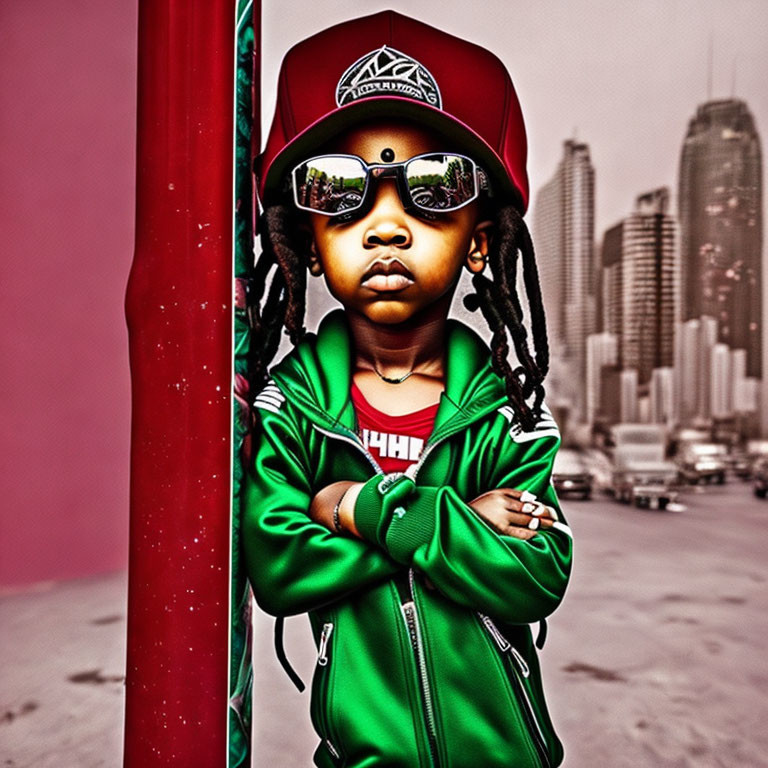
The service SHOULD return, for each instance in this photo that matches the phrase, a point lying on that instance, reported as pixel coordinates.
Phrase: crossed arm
(509, 511)
(480, 554)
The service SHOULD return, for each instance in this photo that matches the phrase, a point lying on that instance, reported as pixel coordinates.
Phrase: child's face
(390, 265)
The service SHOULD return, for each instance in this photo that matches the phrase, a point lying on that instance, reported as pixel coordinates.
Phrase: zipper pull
(520, 661)
(322, 655)
(389, 479)
(504, 644)
(332, 749)
(501, 641)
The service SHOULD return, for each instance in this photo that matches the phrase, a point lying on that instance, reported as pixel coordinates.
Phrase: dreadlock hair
(277, 300)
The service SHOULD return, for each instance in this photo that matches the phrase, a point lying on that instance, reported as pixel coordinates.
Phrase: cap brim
(335, 121)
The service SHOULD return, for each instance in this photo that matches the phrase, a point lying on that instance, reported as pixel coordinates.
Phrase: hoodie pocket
(322, 692)
(518, 673)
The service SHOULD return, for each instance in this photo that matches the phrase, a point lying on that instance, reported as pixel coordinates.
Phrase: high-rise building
(703, 371)
(721, 380)
(563, 230)
(610, 395)
(744, 388)
(601, 352)
(707, 340)
(688, 364)
(720, 213)
(610, 300)
(630, 411)
(661, 397)
(648, 286)
(548, 241)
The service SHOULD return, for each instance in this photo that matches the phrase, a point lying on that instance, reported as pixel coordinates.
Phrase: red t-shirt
(394, 441)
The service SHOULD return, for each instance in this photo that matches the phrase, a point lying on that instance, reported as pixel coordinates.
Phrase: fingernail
(534, 524)
(527, 496)
(539, 510)
(529, 507)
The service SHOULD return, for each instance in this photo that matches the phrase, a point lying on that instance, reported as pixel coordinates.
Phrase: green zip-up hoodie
(408, 674)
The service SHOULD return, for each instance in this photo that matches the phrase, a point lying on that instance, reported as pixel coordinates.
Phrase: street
(655, 658)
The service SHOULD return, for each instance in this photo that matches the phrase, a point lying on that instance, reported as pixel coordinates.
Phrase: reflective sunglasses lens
(441, 182)
(329, 184)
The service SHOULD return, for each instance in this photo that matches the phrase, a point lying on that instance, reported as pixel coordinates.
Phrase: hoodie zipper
(504, 645)
(414, 633)
(520, 667)
(354, 440)
(322, 660)
(408, 608)
(325, 636)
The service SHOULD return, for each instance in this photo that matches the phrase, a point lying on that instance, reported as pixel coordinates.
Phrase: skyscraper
(661, 392)
(648, 286)
(564, 225)
(693, 367)
(720, 211)
(630, 411)
(601, 352)
(720, 381)
(611, 283)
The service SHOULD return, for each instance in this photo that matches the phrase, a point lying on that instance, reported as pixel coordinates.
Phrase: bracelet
(336, 516)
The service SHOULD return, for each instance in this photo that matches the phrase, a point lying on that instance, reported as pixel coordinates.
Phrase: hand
(325, 500)
(509, 514)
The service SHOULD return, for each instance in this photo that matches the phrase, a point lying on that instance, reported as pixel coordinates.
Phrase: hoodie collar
(317, 374)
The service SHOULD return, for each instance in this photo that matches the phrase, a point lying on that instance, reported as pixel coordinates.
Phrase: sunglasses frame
(396, 170)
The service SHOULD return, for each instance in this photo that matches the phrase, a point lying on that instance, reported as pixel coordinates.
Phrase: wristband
(336, 516)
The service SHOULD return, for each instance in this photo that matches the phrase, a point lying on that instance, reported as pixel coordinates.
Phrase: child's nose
(388, 222)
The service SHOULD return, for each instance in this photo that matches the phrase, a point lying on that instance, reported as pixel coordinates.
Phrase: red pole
(178, 308)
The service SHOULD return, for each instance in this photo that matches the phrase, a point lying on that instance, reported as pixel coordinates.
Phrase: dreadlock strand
(502, 259)
(535, 301)
(278, 226)
(266, 333)
(500, 348)
(284, 302)
(500, 304)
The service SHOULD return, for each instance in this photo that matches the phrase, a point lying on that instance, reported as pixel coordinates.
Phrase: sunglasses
(339, 185)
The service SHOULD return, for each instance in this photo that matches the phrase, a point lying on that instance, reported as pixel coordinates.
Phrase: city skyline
(623, 78)
(677, 337)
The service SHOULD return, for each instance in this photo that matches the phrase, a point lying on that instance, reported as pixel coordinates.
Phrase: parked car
(641, 474)
(760, 477)
(756, 450)
(683, 436)
(570, 475)
(739, 463)
(650, 484)
(703, 462)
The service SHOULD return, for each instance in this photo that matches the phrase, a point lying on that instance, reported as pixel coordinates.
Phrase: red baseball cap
(390, 65)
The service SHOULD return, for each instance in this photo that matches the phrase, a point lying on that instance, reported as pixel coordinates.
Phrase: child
(400, 486)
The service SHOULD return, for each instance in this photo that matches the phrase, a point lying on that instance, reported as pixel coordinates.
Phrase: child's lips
(387, 275)
(393, 282)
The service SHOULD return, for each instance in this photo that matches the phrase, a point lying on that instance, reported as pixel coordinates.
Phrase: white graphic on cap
(386, 71)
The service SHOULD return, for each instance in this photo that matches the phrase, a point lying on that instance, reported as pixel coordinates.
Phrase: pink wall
(67, 124)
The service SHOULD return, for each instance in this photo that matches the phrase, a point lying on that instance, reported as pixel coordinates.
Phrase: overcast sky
(621, 75)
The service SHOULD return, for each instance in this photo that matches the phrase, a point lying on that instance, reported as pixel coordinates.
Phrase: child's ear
(478, 246)
(315, 265)
(307, 236)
